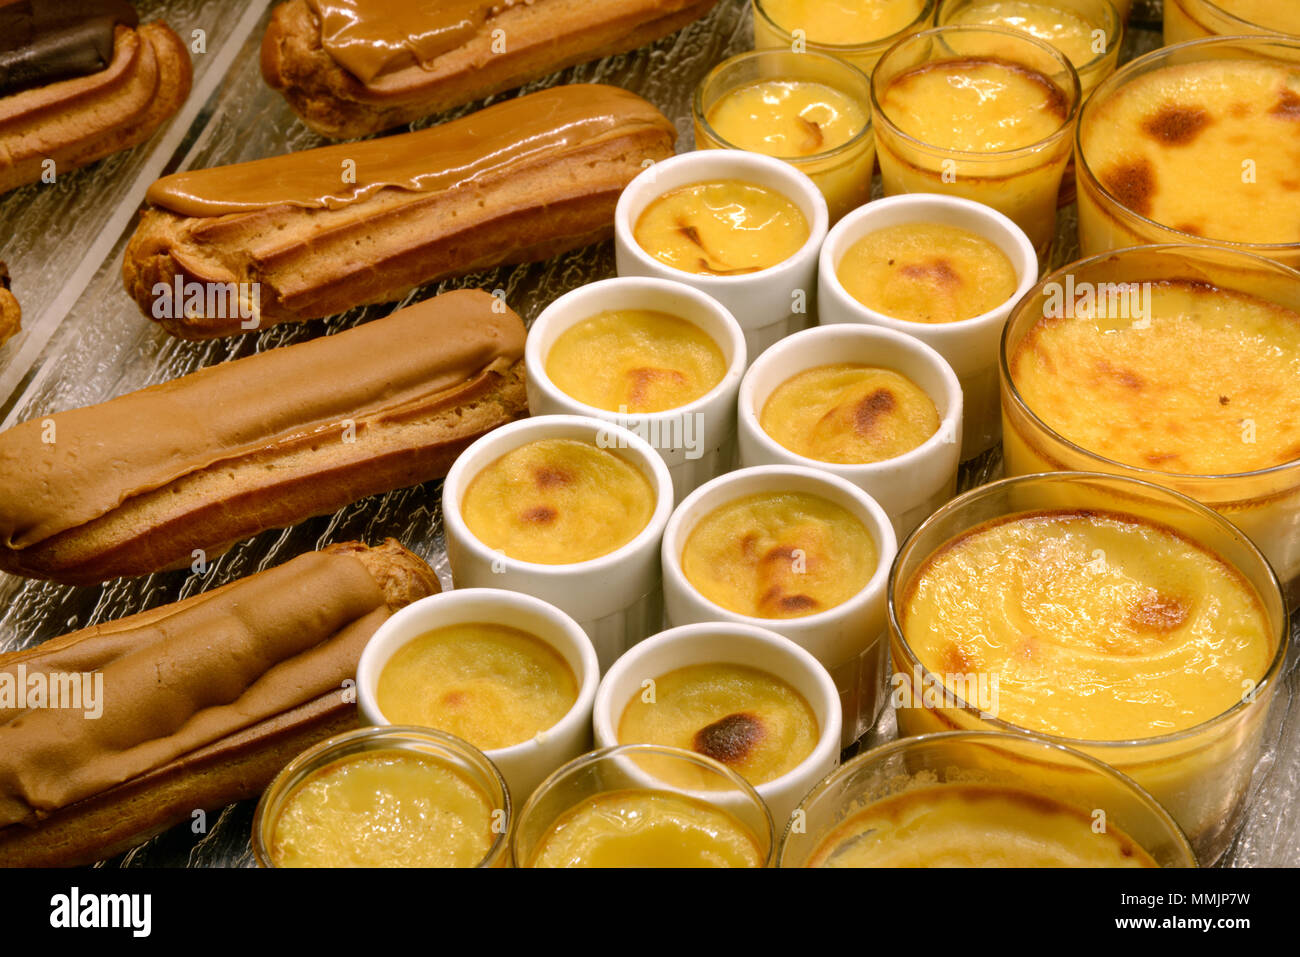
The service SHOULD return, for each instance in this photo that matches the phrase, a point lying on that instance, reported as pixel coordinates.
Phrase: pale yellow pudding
(393, 808)
(1098, 626)
(849, 414)
(1194, 19)
(1209, 148)
(724, 228)
(927, 272)
(843, 22)
(635, 360)
(787, 118)
(1208, 384)
(557, 502)
(750, 720)
(644, 828)
(488, 684)
(779, 555)
(1065, 29)
(974, 825)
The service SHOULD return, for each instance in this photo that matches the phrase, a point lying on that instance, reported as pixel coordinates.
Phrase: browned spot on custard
(955, 661)
(871, 409)
(548, 476)
(1287, 106)
(1223, 400)
(453, 699)
(1125, 377)
(691, 233)
(937, 272)
(1158, 612)
(731, 739)
(1056, 100)
(1158, 458)
(774, 597)
(816, 138)
(1177, 125)
(747, 544)
(1193, 228)
(539, 515)
(782, 553)
(1133, 184)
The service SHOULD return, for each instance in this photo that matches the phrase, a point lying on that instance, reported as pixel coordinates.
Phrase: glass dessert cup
(946, 761)
(1200, 774)
(1265, 504)
(425, 742)
(632, 767)
(770, 35)
(1193, 19)
(1105, 222)
(1022, 182)
(843, 172)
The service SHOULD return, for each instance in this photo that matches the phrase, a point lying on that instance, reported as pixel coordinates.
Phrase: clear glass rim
(835, 63)
(993, 738)
(1269, 678)
(1114, 27)
(1128, 71)
(1073, 94)
(1146, 474)
(840, 49)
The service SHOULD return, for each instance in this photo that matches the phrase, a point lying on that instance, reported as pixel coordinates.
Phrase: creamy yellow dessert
(490, 685)
(394, 808)
(1062, 27)
(1097, 625)
(787, 118)
(974, 825)
(644, 828)
(724, 228)
(779, 555)
(927, 272)
(843, 22)
(558, 501)
(1210, 148)
(635, 360)
(1208, 384)
(1194, 19)
(750, 720)
(1275, 16)
(849, 414)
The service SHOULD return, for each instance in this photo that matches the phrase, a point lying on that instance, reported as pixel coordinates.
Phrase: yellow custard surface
(1097, 625)
(1278, 16)
(974, 825)
(490, 685)
(779, 555)
(927, 272)
(392, 808)
(849, 414)
(635, 360)
(844, 22)
(1208, 384)
(1063, 28)
(787, 118)
(722, 228)
(748, 719)
(644, 828)
(1209, 148)
(558, 501)
(975, 104)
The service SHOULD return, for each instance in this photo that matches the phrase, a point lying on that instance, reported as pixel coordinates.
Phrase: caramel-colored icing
(551, 122)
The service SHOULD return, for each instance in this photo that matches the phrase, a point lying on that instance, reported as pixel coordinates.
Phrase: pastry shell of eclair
(139, 483)
(202, 702)
(372, 241)
(518, 42)
(78, 121)
(11, 314)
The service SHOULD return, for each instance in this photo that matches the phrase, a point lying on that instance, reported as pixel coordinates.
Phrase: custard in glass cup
(856, 31)
(1193, 19)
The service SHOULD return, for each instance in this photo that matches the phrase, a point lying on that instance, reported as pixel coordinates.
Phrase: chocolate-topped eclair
(79, 80)
(353, 67)
(136, 484)
(111, 734)
(320, 231)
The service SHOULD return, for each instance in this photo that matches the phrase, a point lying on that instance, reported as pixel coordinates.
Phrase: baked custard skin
(1098, 626)
(844, 22)
(787, 118)
(975, 825)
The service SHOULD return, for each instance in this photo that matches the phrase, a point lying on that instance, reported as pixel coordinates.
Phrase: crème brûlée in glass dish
(1108, 614)
(721, 228)
(1196, 144)
(1179, 365)
(1194, 19)
(558, 502)
(635, 360)
(747, 718)
(856, 31)
(779, 555)
(849, 413)
(979, 112)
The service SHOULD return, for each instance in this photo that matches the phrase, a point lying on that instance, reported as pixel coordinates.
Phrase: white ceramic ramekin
(615, 598)
(698, 440)
(909, 486)
(523, 765)
(730, 643)
(969, 345)
(768, 304)
(848, 639)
